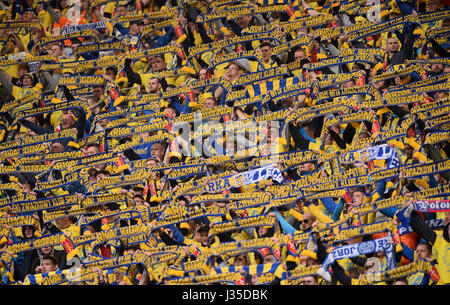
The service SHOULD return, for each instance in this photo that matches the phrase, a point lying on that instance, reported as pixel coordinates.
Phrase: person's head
(242, 260)
(244, 21)
(307, 221)
(136, 27)
(209, 102)
(306, 167)
(434, 5)
(63, 223)
(97, 91)
(22, 69)
(348, 84)
(67, 121)
(57, 147)
(266, 51)
(28, 231)
(49, 263)
(111, 72)
(310, 280)
(157, 151)
(100, 174)
(27, 80)
(202, 74)
(409, 150)
(75, 43)
(269, 258)
(138, 199)
(57, 50)
(92, 149)
(299, 54)
(203, 234)
(151, 163)
(423, 251)
(358, 196)
(400, 281)
(154, 85)
(158, 63)
(264, 231)
(392, 45)
(93, 104)
(233, 71)
(121, 10)
(28, 14)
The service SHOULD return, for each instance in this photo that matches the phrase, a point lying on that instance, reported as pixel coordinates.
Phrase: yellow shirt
(442, 254)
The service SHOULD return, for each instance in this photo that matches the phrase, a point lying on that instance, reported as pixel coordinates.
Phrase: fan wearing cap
(28, 85)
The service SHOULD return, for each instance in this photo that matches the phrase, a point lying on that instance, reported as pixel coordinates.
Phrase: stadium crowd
(241, 142)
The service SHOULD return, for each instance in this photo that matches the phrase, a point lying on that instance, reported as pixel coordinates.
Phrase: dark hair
(265, 44)
(52, 258)
(112, 68)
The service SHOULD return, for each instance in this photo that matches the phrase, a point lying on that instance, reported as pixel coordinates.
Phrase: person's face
(92, 150)
(63, 3)
(153, 85)
(348, 84)
(57, 12)
(158, 64)
(209, 103)
(409, 151)
(299, 55)
(27, 81)
(358, 197)
(97, 92)
(422, 252)
(157, 151)
(306, 222)
(26, 188)
(56, 50)
(21, 71)
(57, 147)
(202, 74)
(48, 266)
(269, 259)
(433, 5)
(46, 250)
(306, 167)
(203, 237)
(67, 121)
(266, 52)
(262, 231)
(121, 11)
(28, 231)
(309, 280)
(244, 21)
(139, 201)
(392, 45)
(27, 16)
(240, 260)
(150, 163)
(110, 73)
(233, 71)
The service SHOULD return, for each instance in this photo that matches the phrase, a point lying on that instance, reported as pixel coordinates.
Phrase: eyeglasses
(305, 221)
